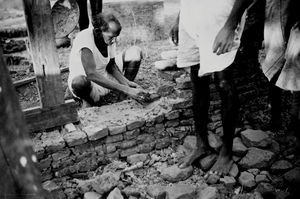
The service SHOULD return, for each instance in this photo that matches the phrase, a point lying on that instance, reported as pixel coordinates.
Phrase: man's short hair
(102, 20)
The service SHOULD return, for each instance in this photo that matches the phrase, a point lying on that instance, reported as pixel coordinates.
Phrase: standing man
(282, 62)
(95, 69)
(200, 22)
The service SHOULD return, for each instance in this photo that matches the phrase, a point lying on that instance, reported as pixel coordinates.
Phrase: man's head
(107, 25)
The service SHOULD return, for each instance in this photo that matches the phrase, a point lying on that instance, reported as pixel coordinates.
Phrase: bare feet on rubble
(191, 157)
(220, 168)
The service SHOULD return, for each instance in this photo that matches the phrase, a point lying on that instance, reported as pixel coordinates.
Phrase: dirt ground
(11, 16)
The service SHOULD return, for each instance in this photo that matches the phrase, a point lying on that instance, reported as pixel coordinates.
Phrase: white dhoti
(200, 22)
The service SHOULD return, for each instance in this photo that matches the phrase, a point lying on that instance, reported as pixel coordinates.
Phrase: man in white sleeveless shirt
(95, 69)
(202, 31)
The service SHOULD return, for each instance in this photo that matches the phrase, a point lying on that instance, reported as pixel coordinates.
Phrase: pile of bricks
(126, 128)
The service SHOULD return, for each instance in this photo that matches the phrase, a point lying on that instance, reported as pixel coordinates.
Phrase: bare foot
(221, 167)
(191, 157)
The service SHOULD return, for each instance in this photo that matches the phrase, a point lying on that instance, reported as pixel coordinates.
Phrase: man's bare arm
(174, 31)
(224, 39)
(114, 70)
(89, 65)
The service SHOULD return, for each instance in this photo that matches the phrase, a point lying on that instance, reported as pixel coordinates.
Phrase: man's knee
(80, 85)
(133, 53)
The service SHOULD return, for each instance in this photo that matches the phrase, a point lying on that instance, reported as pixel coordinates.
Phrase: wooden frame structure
(53, 111)
(19, 176)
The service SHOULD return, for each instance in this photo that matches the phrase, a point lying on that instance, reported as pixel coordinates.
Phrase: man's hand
(133, 84)
(174, 34)
(139, 95)
(224, 40)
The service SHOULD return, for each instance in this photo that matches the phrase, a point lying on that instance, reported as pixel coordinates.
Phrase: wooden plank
(39, 119)
(43, 52)
(19, 176)
(32, 79)
(22, 82)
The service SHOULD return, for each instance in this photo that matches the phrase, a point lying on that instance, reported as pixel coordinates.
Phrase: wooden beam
(19, 176)
(28, 80)
(39, 119)
(43, 52)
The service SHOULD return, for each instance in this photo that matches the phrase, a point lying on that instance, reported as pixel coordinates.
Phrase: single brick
(214, 125)
(188, 113)
(185, 104)
(216, 118)
(135, 125)
(87, 165)
(187, 122)
(50, 186)
(45, 163)
(99, 149)
(114, 155)
(110, 148)
(172, 115)
(172, 123)
(96, 132)
(179, 132)
(146, 147)
(53, 141)
(150, 130)
(70, 127)
(75, 138)
(159, 119)
(159, 127)
(63, 172)
(128, 152)
(131, 134)
(46, 175)
(114, 130)
(86, 155)
(128, 144)
(80, 149)
(215, 104)
(160, 134)
(65, 162)
(38, 148)
(61, 154)
(149, 122)
(162, 143)
(145, 138)
(114, 138)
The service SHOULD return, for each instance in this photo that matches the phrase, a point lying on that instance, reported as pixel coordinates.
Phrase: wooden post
(54, 111)
(19, 178)
(43, 51)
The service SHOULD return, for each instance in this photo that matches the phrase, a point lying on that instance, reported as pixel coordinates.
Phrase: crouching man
(95, 69)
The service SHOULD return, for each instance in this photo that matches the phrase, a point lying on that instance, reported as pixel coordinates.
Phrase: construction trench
(131, 150)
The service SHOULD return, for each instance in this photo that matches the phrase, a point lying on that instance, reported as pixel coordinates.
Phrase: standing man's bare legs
(83, 16)
(200, 110)
(96, 8)
(294, 127)
(229, 111)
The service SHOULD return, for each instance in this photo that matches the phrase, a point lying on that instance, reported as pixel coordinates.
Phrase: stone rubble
(157, 175)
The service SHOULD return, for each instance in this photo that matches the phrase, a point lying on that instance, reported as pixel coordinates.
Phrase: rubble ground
(265, 170)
